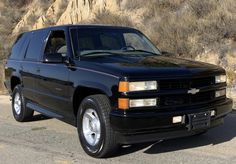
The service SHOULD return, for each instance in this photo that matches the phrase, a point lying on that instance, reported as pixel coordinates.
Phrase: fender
(97, 86)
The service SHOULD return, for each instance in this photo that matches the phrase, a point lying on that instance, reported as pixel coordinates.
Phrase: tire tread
(26, 114)
(109, 141)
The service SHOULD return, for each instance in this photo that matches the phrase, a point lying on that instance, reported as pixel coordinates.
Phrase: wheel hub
(91, 127)
(17, 103)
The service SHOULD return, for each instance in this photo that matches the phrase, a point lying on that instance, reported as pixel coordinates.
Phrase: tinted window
(136, 41)
(100, 40)
(111, 41)
(56, 43)
(88, 41)
(19, 47)
(35, 46)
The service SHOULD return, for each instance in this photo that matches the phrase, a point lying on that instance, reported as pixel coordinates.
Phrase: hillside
(198, 29)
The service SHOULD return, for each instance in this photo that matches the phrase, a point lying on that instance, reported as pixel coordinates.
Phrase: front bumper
(136, 127)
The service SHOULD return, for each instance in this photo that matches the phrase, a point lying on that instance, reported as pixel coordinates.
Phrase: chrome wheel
(91, 127)
(17, 103)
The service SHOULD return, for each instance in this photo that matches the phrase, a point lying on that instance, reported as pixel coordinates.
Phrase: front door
(52, 84)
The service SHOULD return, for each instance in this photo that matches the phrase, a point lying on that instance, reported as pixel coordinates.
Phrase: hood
(154, 66)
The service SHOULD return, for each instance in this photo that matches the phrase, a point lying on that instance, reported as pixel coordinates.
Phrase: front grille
(201, 97)
(186, 99)
(186, 83)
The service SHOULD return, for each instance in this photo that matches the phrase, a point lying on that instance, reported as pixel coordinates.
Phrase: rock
(52, 15)
(23, 22)
(35, 11)
(74, 11)
(79, 10)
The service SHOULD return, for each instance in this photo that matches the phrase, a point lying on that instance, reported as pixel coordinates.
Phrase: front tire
(95, 133)
(19, 110)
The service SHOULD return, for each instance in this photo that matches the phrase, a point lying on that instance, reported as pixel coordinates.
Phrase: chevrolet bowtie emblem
(193, 91)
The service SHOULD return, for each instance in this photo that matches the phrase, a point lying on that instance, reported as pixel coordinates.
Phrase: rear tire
(19, 110)
(95, 133)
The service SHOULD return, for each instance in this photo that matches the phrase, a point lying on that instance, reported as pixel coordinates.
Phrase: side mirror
(53, 58)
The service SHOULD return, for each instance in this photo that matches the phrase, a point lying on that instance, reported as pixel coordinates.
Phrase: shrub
(202, 8)
(108, 18)
(231, 77)
(17, 3)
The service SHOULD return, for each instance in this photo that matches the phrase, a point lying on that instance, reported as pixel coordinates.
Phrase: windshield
(98, 41)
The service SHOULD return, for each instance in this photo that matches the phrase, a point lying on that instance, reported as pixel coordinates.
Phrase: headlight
(142, 103)
(220, 79)
(125, 103)
(220, 93)
(125, 86)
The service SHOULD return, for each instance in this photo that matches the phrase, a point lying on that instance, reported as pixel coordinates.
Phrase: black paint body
(55, 89)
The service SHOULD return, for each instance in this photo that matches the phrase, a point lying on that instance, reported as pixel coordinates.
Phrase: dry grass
(110, 18)
(187, 27)
(17, 3)
(231, 77)
(2, 88)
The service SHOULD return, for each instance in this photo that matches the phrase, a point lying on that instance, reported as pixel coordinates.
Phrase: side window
(19, 47)
(56, 43)
(35, 46)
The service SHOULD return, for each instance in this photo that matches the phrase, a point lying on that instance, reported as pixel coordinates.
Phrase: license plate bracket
(199, 121)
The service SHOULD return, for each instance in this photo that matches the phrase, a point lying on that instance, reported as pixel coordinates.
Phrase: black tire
(107, 143)
(24, 114)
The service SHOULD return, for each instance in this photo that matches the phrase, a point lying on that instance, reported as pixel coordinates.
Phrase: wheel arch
(15, 80)
(83, 91)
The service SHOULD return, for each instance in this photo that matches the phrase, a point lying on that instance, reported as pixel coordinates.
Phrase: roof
(85, 26)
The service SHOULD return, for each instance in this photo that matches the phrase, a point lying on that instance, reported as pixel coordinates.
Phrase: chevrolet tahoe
(114, 85)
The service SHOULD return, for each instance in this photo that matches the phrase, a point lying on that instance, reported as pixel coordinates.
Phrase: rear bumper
(136, 127)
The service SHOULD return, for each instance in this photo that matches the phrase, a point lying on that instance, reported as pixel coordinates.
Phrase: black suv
(114, 85)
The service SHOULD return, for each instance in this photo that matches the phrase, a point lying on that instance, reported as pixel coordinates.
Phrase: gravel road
(45, 140)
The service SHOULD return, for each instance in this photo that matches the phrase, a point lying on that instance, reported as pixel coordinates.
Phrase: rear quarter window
(34, 49)
(19, 46)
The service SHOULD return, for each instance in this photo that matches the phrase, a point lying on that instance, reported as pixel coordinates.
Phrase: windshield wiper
(142, 51)
(94, 53)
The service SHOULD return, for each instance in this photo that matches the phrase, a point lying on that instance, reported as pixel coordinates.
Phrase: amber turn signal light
(123, 103)
(123, 86)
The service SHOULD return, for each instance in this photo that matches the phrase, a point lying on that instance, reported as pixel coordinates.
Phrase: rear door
(14, 62)
(52, 84)
(28, 68)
